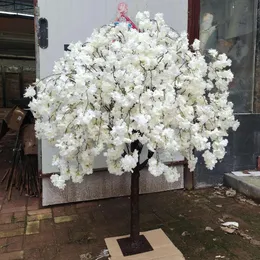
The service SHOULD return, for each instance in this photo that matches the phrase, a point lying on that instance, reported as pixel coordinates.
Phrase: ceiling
(17, 6)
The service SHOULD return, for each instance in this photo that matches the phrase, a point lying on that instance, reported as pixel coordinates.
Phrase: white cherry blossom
(123, 89)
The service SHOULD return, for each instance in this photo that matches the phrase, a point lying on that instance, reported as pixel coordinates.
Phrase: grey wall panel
(242, 151)
(102, 185)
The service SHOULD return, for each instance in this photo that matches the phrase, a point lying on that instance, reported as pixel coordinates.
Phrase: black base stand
(130, 248)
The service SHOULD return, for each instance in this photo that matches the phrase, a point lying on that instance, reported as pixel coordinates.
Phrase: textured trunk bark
(136, 243)
(135, 213)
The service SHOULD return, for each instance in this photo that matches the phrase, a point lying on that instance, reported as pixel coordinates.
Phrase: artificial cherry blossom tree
(124, 89)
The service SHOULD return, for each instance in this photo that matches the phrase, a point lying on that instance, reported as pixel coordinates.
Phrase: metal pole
(4, 86)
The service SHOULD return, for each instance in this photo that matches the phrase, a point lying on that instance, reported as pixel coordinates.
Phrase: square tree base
(128, 248)
(161, 248)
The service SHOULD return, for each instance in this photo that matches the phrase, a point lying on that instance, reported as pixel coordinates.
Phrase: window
(229, 26)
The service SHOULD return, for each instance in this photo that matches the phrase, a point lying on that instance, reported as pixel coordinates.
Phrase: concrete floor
(249, 186)
(191, 220)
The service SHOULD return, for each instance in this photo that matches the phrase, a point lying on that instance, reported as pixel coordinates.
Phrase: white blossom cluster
(125, 85)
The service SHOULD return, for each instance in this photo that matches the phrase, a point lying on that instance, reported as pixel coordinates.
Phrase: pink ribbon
(122, 15)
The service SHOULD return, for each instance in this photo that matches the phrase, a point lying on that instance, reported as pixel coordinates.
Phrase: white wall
(73, 20)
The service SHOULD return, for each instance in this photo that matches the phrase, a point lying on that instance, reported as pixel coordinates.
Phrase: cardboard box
(163, 248)
(14, 118)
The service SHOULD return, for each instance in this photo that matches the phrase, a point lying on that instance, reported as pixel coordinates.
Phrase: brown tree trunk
(136, 243)
(135, 213)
